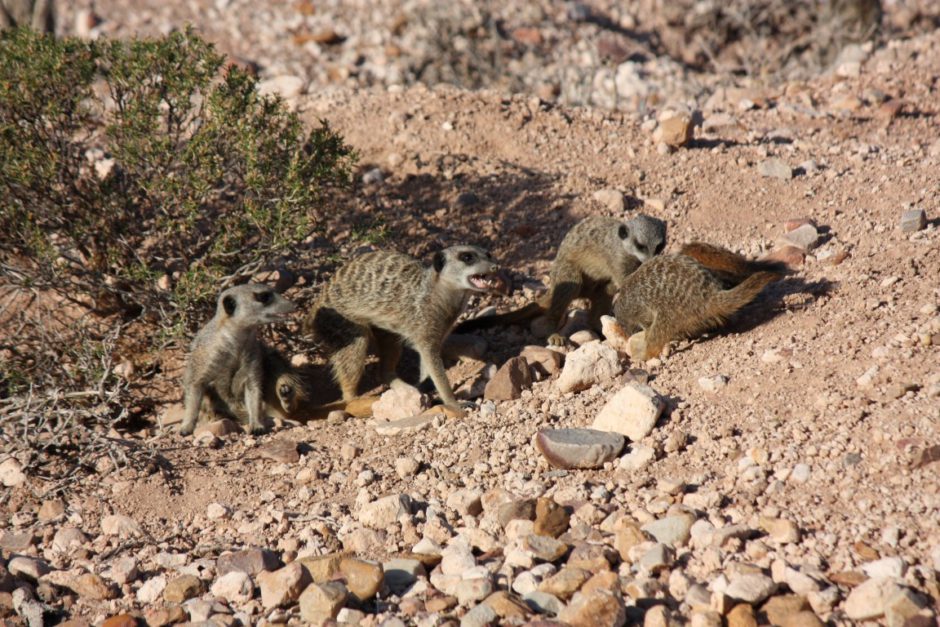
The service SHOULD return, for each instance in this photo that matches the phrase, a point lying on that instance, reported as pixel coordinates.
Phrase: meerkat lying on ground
(592, 261)
(389, 297)
(230, 366)
(673, 296)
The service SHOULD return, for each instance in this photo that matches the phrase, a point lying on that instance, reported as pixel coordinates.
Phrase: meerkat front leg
(193, 396)
(566, 286)
(254, 403)
(433, 365)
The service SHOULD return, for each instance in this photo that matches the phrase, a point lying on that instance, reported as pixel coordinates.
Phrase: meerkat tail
(360, 407)
(727, 302)
(523, 314)
(730, 267)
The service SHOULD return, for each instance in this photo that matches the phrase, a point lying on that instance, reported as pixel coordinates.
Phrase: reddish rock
(527, 35)
(509, 381)
(790, 255)
(121, 620)
(794, 223)
(551, 519)
(543, 360)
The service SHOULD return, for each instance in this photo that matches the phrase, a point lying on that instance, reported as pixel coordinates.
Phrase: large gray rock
(578, 448)
(673, 531)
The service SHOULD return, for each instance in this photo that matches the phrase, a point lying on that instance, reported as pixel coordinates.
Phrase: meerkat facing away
(389, 297)
(673, 296)
(227, 363)
(592, 261)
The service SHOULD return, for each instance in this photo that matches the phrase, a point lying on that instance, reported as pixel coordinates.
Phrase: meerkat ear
(623, 232)
(438, 261)
(228, 304)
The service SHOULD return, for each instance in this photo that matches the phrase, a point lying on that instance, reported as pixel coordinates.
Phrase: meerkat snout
(469, 267)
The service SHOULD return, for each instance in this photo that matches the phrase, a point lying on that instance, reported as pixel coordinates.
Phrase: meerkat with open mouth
(392, 298)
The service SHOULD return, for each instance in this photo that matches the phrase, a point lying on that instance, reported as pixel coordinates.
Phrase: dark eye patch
(659, 247)
(284, 390)
(467, 258)
(264, 297)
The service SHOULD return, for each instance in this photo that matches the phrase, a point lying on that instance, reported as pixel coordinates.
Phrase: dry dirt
(836, 368)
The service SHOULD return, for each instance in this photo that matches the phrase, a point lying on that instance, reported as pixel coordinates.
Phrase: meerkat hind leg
(349, 362)
(389, 347)
(602, 300)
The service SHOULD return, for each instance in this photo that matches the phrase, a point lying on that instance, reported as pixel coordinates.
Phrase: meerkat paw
(460, 409)
(557, 339)
(258, 429)
(187, 429)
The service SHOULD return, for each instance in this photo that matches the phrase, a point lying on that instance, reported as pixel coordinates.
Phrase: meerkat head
(643, 236)
(470, 268)
(253, 304)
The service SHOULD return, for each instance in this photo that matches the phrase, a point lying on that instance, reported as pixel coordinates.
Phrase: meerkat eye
(623, 232)
(264, 297)
(659, 247)
(467, 258)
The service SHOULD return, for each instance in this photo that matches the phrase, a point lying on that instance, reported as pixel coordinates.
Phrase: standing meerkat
(673, 296)
(592, 261)
(231, 368)
(389, 297)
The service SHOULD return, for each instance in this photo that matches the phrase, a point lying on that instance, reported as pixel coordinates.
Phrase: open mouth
(488, 282)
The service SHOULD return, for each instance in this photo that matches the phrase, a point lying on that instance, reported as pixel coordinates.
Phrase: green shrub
(208, 176)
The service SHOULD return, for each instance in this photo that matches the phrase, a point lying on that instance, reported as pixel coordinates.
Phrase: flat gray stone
(775, 168)
(804, 237)
(412, 424)
(544, 603)
(753, 588)
(673, 531)
(578, 448)
(913, 220)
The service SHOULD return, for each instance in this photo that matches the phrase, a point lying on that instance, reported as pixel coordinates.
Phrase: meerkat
(674, 296)
(230, 366)
(592, 261)
(392, 298)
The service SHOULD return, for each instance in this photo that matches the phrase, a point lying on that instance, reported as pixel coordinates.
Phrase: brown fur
(229, 367)
(673, 296)
(389, 298)
(592, 260)
(728, 267)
